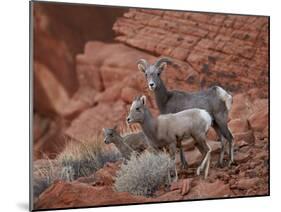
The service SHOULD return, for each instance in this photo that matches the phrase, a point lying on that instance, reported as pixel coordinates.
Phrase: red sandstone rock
(50, 97)
(40, 126)
(188, 144)
(247, 183)
(241, 107)
(185, 187)
(238, 125)
(215, 49)
(67, 195)
(108, 76)
(246, 136)
(169, 196)
(259, 120)
(241, 157)
(204, 189)
(107, 174)
(182, 185)
(212, 135)
(194, 156)
(51, 142)
(103, 177)
(91, 121)
(241, 143)
(128, 94)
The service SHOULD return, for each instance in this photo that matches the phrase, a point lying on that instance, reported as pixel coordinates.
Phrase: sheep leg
(201, 150)
(184, 164)
(223, 147)
(207, 166)
(222, 150)
(221, 121)
(205, 150)
(231, 153)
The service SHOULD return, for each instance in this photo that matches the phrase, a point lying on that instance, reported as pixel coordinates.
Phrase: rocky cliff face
(207, 49)
(216, 48)
(60, 32)
(78, 92)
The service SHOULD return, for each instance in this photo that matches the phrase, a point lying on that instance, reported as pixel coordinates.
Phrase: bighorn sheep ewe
(126, 144)
(169, 129)
(215, 100)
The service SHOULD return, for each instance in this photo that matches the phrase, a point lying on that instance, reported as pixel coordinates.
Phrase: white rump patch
(224, 96)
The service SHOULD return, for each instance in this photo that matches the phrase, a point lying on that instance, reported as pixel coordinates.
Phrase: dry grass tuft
(87, 157)
(78, 159)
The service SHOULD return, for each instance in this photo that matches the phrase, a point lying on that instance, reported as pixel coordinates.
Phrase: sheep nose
(151, 84)
(128, 119)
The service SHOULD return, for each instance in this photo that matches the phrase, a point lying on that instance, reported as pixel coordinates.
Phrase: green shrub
(144, 174)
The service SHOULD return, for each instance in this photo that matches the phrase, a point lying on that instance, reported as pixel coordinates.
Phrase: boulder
(106, 175)
(238, 125)
(247, 136)
(212, 135)
(204, 189)
(50, 97)
(68, 195)
(259, 120)
(241, 107)
(183, 185)
(247, 183)
(128, 94)
(242, 157)
(91, 121)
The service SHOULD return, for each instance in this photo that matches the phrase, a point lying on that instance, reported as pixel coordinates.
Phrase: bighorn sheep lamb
(215, 100)
(169, 129)
(126, 144)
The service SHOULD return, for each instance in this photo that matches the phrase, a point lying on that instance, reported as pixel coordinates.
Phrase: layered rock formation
(93, 89)
(207, 49)
(217, 48)
(60, 32)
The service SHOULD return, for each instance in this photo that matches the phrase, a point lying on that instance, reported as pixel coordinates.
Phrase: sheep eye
(158, 74)
(111, 134)
(137, 109)
(146, 74)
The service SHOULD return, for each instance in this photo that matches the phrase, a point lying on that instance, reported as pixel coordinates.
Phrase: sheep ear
(141, 68)
(143, 99)
(142, 65)
(103, 130)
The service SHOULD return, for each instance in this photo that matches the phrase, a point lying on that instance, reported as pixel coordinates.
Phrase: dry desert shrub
(44, 176)
(87, 157)
(144, 174)
(78, 159)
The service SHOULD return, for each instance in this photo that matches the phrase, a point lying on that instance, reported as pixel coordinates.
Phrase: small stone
(242, 157)
(247, 183)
